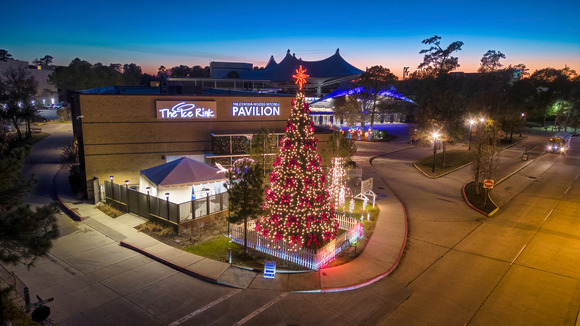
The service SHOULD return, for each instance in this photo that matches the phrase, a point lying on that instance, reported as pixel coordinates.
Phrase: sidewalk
(380, 257)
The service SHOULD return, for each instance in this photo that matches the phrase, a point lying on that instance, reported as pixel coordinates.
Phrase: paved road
(519, 267)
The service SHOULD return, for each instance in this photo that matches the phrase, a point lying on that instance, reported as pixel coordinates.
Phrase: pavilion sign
(186, 110)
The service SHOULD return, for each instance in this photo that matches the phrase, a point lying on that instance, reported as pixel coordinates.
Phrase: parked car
(53, 106)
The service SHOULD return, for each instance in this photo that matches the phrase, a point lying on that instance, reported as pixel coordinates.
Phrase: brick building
(121, 130)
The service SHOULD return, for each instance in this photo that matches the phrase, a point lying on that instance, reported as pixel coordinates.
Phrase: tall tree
(180, 71)
(19, 89)
(338, 145)
(245, 190)
(298, 209)
(45, 61)
(25, 233)
(350, 109)
(375, 80)
(438, 60)
(490, 61)
(5, 56)
(132, 74)
(486, 151)
(81, 74)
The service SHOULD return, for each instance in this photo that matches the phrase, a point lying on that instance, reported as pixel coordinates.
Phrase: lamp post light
(435, 135)
(148, 200)
(112, 188)
(471, 122)
(523, 124)
(127, 193)
(167, 198)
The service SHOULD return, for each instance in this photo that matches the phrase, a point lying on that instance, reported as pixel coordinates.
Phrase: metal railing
(145, 205)
(16, 284)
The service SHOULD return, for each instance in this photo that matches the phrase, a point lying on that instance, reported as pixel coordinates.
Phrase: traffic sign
(488, 183)
(269, 269)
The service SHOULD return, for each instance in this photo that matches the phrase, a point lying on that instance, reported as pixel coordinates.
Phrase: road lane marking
(204, 308)
(261, 309)
(519, 253)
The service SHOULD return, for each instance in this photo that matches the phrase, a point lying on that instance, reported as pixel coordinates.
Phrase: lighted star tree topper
(298, 206)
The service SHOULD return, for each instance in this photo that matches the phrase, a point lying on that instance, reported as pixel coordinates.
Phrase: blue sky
(154, 33)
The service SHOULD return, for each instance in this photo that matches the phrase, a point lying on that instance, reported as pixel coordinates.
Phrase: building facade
(119, 134)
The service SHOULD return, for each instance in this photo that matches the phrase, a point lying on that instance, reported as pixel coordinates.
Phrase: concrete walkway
(380, 257)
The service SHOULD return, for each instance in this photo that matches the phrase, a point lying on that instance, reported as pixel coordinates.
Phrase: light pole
(471, 122)
(167, 198)
(524, 124)
(112, 189)
(148, 201)
(435, 135)
(127, 192)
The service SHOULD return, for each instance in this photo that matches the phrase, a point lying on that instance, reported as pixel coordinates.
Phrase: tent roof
(333, 66)
(180, 171)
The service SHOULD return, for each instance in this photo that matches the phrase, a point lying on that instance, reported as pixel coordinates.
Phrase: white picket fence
(300, 255)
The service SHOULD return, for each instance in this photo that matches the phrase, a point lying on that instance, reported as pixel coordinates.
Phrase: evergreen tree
(245, 189)
(297, 202)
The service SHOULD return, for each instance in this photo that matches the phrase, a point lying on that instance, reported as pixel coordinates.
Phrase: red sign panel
(488, 183)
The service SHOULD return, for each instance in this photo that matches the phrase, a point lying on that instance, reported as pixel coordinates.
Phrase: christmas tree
(297, 203)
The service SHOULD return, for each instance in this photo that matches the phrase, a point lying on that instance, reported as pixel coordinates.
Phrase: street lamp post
(471, 122)
(435, 135)
(112, 188)
(148, 201)
(167, 198)
(524, 124)
(127, 192)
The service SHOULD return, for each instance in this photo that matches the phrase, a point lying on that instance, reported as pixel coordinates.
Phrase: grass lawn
(453, 160)
(217, 247)
(479, 200)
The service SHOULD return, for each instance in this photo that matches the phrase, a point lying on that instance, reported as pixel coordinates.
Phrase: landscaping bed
(210, 241)
(453, 160)
(479, 201)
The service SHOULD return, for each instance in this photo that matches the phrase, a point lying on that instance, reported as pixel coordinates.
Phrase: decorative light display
(297, 203)
(300, 77)
(365, 203)
(351, 208)
(338, 175)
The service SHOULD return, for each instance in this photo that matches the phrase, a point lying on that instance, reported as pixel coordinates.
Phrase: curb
(443, 174)
(75, 216)
(175, 266)
(380, 276)
(468, 202)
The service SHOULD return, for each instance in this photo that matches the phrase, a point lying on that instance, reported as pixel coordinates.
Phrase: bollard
(27, 298)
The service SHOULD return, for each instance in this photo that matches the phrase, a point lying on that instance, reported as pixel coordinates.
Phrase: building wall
(40, 75)
(122, 135)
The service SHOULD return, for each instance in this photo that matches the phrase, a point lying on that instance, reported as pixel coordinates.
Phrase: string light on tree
(338, 175)
(351, 206)
(298, 208)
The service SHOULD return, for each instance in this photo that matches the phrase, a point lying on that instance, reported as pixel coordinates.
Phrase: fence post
(207, 205)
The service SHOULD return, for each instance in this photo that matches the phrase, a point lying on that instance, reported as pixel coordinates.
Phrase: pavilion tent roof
(333, 66)
(182, 171)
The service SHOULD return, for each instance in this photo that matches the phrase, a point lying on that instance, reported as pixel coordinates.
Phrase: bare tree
(486, 151)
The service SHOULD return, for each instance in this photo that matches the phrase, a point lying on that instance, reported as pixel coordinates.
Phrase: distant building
(45, 92)
(325, 75)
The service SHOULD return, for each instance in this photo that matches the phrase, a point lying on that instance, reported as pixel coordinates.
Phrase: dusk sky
(388, 33)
